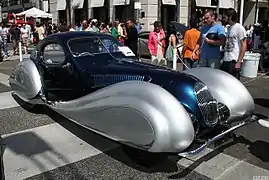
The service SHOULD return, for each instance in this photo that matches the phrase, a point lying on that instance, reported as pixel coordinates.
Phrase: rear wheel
(144, 158)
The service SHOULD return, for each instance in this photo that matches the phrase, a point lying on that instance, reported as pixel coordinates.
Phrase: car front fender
(226, 89)
(139, 114)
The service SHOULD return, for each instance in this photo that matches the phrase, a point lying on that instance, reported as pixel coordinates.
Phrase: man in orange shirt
(191, 38)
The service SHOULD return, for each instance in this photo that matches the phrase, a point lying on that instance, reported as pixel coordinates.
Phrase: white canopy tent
(35, 13)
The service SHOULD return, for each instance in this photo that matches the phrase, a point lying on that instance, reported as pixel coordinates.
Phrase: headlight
(207, 104)
(223, 112)
(195, 122)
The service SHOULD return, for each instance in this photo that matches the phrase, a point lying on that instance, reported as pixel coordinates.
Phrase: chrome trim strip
(247, 121)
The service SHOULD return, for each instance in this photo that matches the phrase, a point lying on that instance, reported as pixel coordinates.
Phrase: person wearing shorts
(25, 38)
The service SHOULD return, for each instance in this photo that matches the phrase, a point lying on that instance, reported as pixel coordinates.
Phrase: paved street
(47, 146)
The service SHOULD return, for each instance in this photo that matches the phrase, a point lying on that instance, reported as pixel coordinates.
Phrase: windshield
(93, 45)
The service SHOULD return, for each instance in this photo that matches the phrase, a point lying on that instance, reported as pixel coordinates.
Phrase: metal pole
(177, 15)
(48, 6)
(136, 11)
(159, 10)
(22, 6)
(218, 10)
(175, 59)
(68, 14)
(20, 51)
(241, 11)
(256, 11)
(0, 12)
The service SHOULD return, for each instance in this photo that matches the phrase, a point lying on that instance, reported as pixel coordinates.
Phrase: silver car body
(135, 113)
(227, 90)
(140, 114)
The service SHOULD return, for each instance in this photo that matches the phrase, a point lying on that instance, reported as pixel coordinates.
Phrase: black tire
(144, 158)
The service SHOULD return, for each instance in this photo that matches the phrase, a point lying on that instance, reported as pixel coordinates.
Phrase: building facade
(253, 14)
(146, 11)
(17, 6)
(109, 10)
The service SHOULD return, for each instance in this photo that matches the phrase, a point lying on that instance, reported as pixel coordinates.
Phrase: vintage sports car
(96, 82)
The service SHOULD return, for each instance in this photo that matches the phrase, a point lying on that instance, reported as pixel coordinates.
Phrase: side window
(96, 45)
(110, 45)
(53, 54)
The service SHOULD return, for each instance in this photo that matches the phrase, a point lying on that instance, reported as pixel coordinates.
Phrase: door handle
(66, 65)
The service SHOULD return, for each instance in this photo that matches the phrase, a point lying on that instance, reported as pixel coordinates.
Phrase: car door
(57, 71)
(143, 44)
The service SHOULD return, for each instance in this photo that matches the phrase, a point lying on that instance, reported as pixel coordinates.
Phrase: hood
(158, 73)
(127, 65)
(140, 64)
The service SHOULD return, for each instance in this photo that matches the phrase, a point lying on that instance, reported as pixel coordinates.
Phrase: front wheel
(144, 158)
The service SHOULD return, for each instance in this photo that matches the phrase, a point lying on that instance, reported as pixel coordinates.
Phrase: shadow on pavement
(30, 145)
(262, 102)
(258, 149)
(98, 141)
(169, 166)
(102, 143)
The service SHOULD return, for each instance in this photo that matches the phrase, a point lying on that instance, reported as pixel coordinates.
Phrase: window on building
(14, 2)
(214, 2)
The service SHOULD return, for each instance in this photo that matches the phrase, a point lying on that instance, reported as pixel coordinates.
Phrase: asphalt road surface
(47, 146)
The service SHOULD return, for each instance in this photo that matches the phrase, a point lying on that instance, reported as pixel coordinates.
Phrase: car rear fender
(25, 80)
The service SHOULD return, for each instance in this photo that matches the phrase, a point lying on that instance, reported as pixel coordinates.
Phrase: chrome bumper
(247, 121)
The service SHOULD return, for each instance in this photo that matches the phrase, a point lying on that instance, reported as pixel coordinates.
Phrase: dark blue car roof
(65, 36)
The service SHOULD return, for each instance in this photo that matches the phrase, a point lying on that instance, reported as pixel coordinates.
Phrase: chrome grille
(105, 80)
(206, 103)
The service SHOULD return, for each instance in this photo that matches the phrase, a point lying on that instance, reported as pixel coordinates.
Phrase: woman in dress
(156, 44)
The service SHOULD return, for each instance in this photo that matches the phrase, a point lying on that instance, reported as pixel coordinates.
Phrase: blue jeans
(213, 63)
(190, 64)
(4, 46)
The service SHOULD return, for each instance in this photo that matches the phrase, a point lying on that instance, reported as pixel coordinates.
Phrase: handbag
(169, 54)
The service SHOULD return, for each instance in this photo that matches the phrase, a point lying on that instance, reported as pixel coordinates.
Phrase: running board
(247, 121)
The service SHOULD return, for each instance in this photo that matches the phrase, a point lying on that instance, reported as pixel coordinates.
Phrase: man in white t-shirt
(25, 38)
(235, 46)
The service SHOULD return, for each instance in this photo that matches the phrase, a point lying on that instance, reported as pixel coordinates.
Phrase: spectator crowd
(212, 43)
